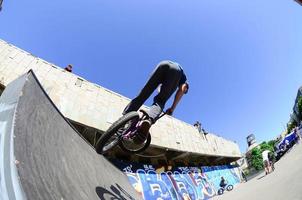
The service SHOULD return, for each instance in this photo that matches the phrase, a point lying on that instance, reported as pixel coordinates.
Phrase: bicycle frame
(132, 130)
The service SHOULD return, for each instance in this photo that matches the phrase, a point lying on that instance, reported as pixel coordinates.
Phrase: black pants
(166, 73)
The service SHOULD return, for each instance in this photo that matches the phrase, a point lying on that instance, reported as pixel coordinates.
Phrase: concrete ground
(284, 183)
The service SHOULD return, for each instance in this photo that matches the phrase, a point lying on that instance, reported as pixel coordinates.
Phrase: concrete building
(251, 140)
(92, 109)
(252, 143)
(295, 115)
(242, 163)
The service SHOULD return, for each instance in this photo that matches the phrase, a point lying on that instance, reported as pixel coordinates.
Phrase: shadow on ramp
(117, 193)
(43, 157)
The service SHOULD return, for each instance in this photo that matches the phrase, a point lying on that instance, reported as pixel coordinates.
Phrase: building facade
(295, 116)
(92, 109)
(252, 143)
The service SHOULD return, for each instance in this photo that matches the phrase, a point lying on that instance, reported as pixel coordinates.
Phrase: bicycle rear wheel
(114, 134)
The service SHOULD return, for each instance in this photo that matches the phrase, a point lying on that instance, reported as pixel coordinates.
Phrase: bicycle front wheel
(114, 134)
(131, 147)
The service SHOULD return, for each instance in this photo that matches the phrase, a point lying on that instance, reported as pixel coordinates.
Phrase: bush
(257, 158)
(300, 108)
(266, 146)
(291, 126)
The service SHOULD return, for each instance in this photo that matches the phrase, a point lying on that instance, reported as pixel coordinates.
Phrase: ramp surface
(48, 156)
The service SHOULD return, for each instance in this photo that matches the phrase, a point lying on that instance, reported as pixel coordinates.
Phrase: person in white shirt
(266, 161)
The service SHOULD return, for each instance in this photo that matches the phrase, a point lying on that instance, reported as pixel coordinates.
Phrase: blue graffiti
(182, 183)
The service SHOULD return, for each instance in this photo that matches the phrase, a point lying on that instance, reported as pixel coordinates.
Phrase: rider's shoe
(143, 132)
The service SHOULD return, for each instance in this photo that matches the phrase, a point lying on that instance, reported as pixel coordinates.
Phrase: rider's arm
(180, 92)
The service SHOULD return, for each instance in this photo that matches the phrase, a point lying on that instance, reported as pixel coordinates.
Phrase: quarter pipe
(43, 157)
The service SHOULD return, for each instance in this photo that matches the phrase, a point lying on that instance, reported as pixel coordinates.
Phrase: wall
(196, 183)
(98, 107)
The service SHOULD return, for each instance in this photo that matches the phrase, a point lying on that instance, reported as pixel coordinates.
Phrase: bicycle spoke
(129, 144)
(114, 140)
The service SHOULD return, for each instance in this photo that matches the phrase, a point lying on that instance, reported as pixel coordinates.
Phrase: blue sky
(242, 58)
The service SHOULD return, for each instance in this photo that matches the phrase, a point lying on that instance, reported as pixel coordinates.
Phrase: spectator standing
(243, 175)
(297, 135)
(272, 160)
(287, 144)
(266, 161)
(197, 125)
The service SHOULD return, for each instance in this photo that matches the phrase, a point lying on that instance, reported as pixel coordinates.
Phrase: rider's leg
(168, 87)
(153, 82)
(265, 167)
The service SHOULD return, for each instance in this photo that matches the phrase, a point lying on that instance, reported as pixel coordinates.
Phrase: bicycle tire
(230, 187)
(220, 191)
(147, 144)
(99, 147)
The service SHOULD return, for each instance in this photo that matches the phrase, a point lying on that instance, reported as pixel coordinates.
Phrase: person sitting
(69, 68)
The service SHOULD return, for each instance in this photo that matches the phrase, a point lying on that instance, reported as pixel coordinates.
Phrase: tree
(300, 108)
(291, 126)
(272, 143)
(266, 146)
(257, 158)
(257, 161)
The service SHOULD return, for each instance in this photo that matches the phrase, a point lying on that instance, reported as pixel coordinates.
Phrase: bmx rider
(170, 76)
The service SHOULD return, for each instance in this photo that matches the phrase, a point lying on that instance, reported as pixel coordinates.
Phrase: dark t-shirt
(222, 183)
(183, 78)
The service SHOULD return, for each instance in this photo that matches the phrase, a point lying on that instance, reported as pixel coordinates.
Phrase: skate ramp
(43, 157)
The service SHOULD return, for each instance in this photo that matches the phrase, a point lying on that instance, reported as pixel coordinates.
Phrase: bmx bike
(228, 187)
(123, 132)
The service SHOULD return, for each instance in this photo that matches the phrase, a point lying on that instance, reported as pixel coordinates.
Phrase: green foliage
(300, 108)
(257, 158)
(272, 143)
(291, 126)
(265, 146)
(257, 161)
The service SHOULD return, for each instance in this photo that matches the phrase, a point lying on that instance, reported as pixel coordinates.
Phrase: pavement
(43, 157)
(284, 183)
